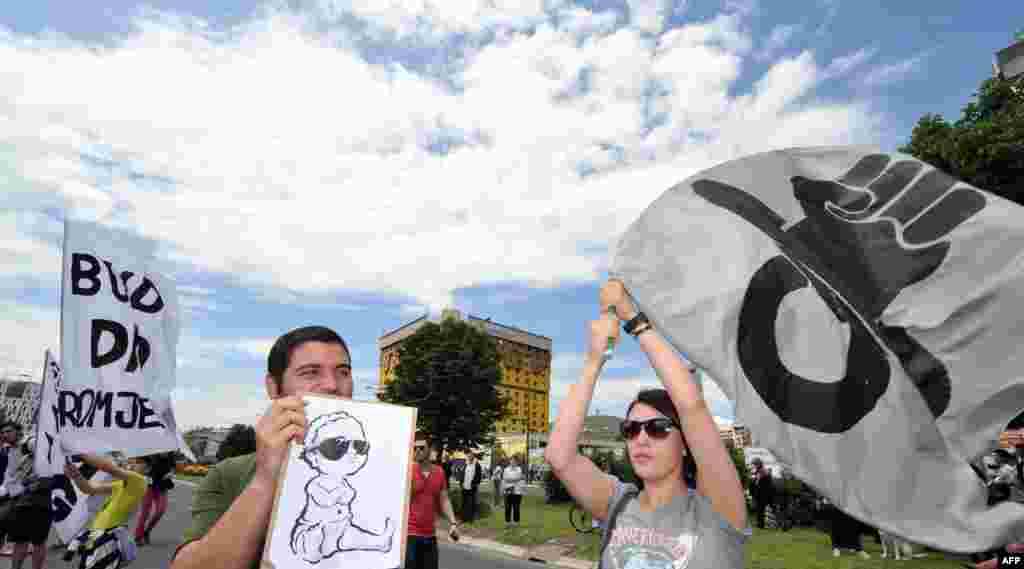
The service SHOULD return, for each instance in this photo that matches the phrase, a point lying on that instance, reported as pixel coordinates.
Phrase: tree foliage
(241, 439)
(985, 146)
(740, 461)
(450, 373)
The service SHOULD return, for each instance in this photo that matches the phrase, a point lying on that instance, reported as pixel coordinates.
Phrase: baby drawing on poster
(343, 497)
(335, 449)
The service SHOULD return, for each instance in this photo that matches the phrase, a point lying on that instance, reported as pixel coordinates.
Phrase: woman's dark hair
(281, 353)
(12, 424)
(662, 402)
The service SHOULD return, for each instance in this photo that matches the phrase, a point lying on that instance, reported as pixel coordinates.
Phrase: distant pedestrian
(10, 434)
(28, 520)
(429, 496)
(513, 486)
(846, 534)
(496, 481)
(472, 474)
(763, 490)
(160, 467)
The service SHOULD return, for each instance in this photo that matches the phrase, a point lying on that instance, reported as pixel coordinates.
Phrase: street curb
(185, 482)
(522, 553)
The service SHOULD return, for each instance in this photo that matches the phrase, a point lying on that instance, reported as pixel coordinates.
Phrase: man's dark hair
(11, 424)
(281, 353)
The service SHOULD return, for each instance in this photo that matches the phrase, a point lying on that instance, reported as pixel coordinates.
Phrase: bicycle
(581, 519)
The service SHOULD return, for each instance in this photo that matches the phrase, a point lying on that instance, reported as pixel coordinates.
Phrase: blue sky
(357, 163)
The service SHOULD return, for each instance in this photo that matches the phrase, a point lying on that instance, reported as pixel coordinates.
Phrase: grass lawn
(804, 548)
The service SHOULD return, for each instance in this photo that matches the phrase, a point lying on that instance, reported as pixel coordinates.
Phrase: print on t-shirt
(647, 548)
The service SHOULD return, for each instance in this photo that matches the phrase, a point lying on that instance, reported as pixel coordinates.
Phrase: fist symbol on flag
(874, 231)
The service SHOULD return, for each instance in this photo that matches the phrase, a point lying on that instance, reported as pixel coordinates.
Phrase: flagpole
(63, 279)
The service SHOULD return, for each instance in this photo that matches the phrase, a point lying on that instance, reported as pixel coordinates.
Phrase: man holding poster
(232, 506)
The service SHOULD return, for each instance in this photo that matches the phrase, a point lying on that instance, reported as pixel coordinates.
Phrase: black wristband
(643, 327)
(634, 323)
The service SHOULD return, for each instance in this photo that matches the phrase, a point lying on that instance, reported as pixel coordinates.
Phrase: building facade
(524, 358)
(18, 400)
(1009, 62)
(736, 436)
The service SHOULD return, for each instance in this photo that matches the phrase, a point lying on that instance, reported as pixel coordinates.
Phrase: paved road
(167, 535)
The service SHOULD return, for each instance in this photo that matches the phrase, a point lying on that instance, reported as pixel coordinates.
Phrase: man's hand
(453, 532)
(284, 422)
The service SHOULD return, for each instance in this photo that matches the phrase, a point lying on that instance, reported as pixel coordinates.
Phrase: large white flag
(119, 336)
(73, 509)
(49, 455)
(864, 311)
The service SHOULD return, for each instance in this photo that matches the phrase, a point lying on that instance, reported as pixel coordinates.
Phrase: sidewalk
(551, 554)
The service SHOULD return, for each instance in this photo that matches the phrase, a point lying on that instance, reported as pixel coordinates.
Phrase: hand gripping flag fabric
(864, 312)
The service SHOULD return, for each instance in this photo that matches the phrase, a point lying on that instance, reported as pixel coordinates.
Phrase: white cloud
(218, 404)
(408, 17)
(28, 331)
(650, 15)
(287, 161)
(892, 72)
(843, 65)
(613, 394)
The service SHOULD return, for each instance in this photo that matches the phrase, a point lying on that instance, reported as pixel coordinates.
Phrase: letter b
(84, 267)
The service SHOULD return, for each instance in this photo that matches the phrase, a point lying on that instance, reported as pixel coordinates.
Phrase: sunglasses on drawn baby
(656, 428)
(336, 447)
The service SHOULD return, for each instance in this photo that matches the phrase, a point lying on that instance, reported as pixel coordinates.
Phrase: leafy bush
(483, 504)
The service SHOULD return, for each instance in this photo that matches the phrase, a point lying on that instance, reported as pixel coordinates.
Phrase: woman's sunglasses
(336, 447)
(656, 428)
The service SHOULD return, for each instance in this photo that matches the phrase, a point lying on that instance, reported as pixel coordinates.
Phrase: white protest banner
(49, 456)
(864, 311)
(72, 509)
(119, 336)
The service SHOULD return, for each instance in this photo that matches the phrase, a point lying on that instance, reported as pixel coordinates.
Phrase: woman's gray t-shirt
(684, 534)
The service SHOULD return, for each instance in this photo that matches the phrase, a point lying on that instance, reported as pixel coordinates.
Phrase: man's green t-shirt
(215, 494)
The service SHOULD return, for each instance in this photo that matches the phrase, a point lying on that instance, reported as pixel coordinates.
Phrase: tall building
(524, 357)
(18, 399)
(737, 436)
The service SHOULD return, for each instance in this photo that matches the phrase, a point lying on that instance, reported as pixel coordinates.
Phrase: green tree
(985, 146)
(241, 439)
(740, 461)
(450, 373)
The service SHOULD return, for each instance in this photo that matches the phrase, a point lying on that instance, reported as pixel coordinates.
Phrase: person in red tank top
(429, 494)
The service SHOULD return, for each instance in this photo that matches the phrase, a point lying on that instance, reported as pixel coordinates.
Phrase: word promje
(125, 409)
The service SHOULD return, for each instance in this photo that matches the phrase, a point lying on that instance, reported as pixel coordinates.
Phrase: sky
(360, 163)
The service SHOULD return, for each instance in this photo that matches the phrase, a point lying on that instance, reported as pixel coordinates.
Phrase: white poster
(343, 498)
(49, 457)
(119, 336)
(73, 509)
